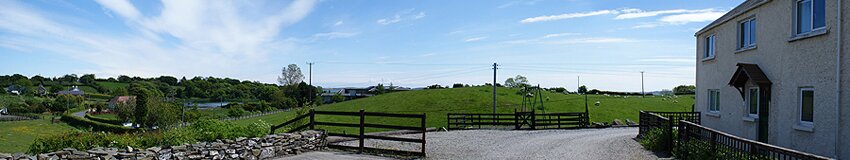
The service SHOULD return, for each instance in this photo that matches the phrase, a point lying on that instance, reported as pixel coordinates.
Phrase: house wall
(844, 141)
(790, 65)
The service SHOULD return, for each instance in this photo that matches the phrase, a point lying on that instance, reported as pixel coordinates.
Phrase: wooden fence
(362, 125)
(19, 117)
(518, 120)
(697, 141)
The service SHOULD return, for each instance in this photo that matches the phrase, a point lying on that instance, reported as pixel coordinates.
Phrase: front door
(763, 113)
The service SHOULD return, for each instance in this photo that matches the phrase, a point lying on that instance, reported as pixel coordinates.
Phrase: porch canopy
(746, 72)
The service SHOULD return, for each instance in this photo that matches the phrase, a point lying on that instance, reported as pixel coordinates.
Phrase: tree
(517, 82)
(124, 79)
(290, 75)
(70, 78)
(338, 97)
(380, 89)
(684, 89)
(147, 98)
(168, 80)
(582, 89)
(458, 85)
(593, 91)
(300, 93)
(38, 79)
(558, 89)
(87, 79)
(65, 102)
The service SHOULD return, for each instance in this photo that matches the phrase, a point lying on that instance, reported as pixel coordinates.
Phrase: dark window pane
(808, 104)
(754, 101)
(819, 18)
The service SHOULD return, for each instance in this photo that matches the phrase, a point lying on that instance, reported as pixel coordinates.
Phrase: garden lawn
(16, 136)
(113, 85)
(436, 103)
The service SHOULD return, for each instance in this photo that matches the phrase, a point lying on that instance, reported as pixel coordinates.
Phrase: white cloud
(669, 59)
(592, 40)
(402, 16)
(567, 16)
(338, 23)
(692, 17)
(560, 35)
(122, 7)
(335, 35)
(637, 13)
(473, 39)
(208, 38)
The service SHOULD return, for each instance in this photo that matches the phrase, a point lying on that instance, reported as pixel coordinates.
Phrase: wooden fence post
(312, 119)
(362, 130)
(423, 134)
(533, 120)
(516, 120)
(669, 135)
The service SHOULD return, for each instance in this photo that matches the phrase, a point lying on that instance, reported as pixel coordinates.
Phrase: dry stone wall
(241, 148)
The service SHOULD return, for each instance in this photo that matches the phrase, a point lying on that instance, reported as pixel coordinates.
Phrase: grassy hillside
(17, 136)
(436, 103)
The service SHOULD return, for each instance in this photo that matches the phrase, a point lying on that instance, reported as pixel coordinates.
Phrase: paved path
(610, 143)
(330, 155)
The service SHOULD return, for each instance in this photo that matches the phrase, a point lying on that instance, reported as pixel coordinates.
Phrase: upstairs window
(811, 16)
(714, 100)
(709, 47)
(747, 34)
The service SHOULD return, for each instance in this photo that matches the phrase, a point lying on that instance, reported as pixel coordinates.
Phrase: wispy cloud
(632, 13)
(567, 16)
(185, 38)
(560, 35)
(335, 35)
(692, 17)
(401, 16)
(669, 59)
(473, 39)
(338, 23)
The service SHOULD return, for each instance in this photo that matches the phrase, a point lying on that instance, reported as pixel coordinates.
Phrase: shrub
(236, 111)
(204, 130)
(653, 139)
(80, 122)
(105, 120)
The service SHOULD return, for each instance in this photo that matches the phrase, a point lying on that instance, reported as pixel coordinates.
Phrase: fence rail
(361, 125)
(695, 139)
(698, 142)
(518, 120)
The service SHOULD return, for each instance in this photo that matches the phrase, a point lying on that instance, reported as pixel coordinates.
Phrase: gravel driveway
(609, 143)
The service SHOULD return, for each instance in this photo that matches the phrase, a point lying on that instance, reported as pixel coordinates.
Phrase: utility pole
(495, 67)
(310, 80)
(578, 84)
(642, 92)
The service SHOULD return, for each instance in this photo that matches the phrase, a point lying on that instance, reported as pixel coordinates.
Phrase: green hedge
(104, 120)
(80, 122)
(204, 130)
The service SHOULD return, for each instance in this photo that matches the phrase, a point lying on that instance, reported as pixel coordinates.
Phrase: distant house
(349, 93)
(119, 100)
(41, 91)
(74, 91)
(15, 89)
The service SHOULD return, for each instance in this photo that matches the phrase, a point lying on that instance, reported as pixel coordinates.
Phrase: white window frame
(800, 108)
(710, 50)
(750, 31)
(811, 19)
(713, 101)
(758, 102)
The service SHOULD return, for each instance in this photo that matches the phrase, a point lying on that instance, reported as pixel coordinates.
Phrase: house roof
(121, 99)
(78, 93)
(747, 72)
(740, 9)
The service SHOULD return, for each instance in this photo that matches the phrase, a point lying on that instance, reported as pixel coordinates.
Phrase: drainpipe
(838, 83)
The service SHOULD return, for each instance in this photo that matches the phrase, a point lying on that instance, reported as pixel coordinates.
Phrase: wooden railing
(698, 142)
(518, 120)
(361, 126)
(650, 121)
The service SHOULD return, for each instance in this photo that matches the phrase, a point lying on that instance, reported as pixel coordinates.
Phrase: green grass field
(436, 103)
(17, 136)
(113, 85)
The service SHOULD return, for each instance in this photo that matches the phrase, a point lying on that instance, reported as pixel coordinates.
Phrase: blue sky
(359, 43)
